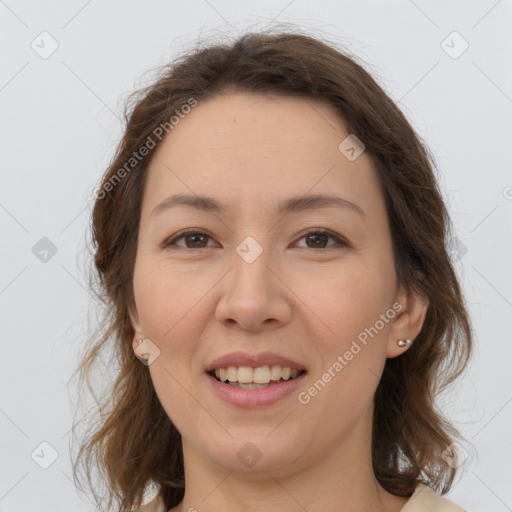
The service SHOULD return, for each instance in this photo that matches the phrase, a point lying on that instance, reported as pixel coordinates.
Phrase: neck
(336, 480)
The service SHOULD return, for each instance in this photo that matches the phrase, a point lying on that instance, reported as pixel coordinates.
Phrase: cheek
(348, 301)
(174, 390)
(351, 358)
(168, 304)
(167, 300)
(354, 306)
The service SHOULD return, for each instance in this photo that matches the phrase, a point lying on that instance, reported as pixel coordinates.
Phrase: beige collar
(423, 499)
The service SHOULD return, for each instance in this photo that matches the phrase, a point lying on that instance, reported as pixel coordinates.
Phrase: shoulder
(155, 505)
(424, 499)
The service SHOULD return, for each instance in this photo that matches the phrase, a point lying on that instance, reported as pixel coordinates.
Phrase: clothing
(155, 505)
(423, 499)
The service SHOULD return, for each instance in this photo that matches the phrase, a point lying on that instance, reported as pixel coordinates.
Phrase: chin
(252, 450)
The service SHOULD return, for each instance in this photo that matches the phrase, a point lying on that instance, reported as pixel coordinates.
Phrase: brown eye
(196, 240)
(193, 240)
(319, 238)
(315, 239)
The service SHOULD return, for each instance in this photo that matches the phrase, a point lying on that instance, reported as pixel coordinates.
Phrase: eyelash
(340, 242)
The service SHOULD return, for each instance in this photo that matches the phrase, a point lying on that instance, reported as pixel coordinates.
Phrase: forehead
(241, 123)
(259, 148)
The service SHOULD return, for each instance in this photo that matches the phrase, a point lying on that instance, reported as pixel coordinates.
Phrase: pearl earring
(404, 343)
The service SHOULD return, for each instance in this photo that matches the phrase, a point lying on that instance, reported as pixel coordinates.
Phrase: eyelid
(340, 240)
(183, 233)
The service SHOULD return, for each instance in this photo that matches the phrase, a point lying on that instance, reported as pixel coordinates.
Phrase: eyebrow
(294, 204)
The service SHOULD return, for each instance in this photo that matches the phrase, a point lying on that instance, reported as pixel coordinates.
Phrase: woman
(271, 243)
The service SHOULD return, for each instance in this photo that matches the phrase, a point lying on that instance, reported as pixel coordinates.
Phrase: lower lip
(255, 397)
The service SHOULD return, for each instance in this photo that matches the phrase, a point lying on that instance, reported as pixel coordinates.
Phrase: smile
(253, 394)
(245, 377)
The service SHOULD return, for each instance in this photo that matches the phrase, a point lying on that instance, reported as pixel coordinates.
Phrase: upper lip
(253, 360)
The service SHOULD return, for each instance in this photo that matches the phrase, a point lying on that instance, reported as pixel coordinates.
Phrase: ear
(134, 318)
(408, 322)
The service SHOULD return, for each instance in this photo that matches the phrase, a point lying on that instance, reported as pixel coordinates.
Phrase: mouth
(261, 377)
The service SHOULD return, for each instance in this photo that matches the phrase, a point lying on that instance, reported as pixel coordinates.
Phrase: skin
(198, 300)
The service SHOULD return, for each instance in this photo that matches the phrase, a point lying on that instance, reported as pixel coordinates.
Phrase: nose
(254, 296)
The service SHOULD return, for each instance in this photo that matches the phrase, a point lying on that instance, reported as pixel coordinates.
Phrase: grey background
(59, 127)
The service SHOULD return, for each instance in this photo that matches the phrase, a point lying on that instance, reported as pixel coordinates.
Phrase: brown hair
(134, 443)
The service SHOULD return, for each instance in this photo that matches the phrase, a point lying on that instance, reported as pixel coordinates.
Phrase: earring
(140, 353)
(404, 343)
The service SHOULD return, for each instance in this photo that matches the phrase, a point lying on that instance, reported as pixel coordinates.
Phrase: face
(311, 287)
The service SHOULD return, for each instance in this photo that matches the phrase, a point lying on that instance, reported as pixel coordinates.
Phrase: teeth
(232, 374)
(275, 372)
(260, 375)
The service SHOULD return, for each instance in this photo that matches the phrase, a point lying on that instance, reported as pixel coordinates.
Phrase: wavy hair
(133, 443)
